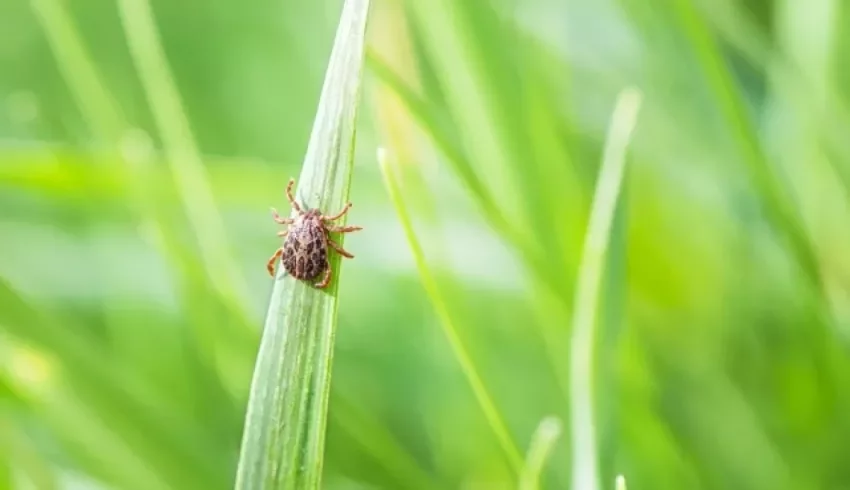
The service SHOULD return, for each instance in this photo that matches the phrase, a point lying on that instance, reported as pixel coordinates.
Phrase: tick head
(312, 213)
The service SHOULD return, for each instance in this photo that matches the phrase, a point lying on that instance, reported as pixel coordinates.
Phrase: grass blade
(380, 443)
(183, 155)
(482, 396)
(78, 69)
(116, 405)
(283, 440)
(421, 111)
(620, 483)
(585, 474)
(542, 443)
(778, 201)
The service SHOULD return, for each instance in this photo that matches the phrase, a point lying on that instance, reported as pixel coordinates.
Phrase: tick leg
(326, 279)
(343, 229)
(283, 233)
(337, 215)
(294, 204)
(273, 261)
(278, 219)
(339, 249)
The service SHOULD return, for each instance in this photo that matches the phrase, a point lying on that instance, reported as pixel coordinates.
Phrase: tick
(305, 249)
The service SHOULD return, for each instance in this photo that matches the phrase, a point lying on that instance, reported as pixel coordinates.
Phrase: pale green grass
(587, 301)
(539, 451)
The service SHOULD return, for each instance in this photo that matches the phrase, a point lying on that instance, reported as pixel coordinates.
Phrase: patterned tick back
(305, 250)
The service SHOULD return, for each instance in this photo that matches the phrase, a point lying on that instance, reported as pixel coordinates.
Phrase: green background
(722, 343)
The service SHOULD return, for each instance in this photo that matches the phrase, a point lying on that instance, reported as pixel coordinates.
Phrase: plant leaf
(184, 157)
(590, 278)
(461, 351)
(542, 443)
(284, 433)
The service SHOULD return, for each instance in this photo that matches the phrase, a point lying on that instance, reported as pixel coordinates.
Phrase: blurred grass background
(127, 335)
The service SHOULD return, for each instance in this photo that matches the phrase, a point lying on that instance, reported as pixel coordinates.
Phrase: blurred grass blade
(542, 443)
(137, 178)
(6, 449)
(610, 333)
(96, 103)
(21, 459)
(620, 483)
(283, 440)
(585, 474)
(482, 396)
(778, 201)
(381, 444)
(427, 117)
(125, 409)
(183, 155)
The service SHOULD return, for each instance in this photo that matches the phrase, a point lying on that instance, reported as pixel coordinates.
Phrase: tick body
(304, 253)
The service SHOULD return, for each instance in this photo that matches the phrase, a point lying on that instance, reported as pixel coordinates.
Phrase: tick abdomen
(305, 250)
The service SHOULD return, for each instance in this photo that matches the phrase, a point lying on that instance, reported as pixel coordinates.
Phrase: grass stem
(591, 268)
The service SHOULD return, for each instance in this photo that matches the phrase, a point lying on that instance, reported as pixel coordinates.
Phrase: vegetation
(142, 143)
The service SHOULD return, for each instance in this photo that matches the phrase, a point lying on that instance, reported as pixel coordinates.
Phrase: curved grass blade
(591, 270)
(542, 443)
(283, 440)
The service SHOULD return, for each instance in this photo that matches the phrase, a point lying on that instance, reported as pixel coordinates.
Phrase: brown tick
(305, 250)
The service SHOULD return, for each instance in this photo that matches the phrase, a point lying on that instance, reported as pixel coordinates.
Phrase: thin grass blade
(78, 69)
(542, 443)
(461, 352)
(620, 482)
(183, 155)
(591, 271)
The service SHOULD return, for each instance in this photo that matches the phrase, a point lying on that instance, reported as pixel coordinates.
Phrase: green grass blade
(283, 440)
(591, 271)
(428, 118)
(125, 409)
(96, 103)
(773, 190)
(19, 457)
(134, 151)
(6, 449)
(482, 396)
(425, 116)
(620, 483)
(183, 155)
(542, 443)
(382, 445)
